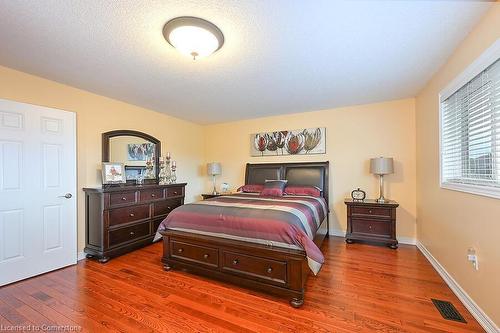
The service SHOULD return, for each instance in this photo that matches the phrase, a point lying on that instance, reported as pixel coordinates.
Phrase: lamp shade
(214, 168)
(382, 165)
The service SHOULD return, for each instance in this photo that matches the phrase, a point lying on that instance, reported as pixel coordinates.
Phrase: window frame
(488, 57)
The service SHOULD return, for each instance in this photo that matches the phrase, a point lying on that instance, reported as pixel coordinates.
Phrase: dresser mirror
(139, 152)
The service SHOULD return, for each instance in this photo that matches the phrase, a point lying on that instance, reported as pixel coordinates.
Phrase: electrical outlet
(472, 257)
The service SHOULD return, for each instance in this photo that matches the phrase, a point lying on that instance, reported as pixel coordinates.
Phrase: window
(470, 128)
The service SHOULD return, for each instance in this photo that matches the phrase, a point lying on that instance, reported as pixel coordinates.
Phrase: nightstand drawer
(371, 227)
(371, 211)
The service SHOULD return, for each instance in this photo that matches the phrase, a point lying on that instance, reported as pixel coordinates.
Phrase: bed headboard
(302, 173)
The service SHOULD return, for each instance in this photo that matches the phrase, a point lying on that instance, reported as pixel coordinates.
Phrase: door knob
(67, 196)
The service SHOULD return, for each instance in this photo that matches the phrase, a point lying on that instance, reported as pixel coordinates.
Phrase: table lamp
(214, 169)
(382, 166)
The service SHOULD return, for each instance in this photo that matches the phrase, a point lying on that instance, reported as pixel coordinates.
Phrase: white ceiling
(279, 56)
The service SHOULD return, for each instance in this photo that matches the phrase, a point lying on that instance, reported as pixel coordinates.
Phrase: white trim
(488, 57)
(406, 240)
(80, 256)
(492, 192)
(401, 240)
(483, 319)
(337, 232)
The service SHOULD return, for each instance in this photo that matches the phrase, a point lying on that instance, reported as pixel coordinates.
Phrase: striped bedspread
(288, 221)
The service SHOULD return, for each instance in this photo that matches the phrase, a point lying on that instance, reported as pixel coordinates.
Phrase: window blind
(470, 131)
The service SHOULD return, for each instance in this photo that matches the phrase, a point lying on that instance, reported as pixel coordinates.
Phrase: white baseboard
(337, 232)
(483, 319)
(401, 240)
(80, 256)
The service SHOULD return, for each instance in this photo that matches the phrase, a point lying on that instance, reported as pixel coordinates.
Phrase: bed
(197, 239)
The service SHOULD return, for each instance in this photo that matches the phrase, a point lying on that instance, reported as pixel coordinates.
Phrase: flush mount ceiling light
(193, 36)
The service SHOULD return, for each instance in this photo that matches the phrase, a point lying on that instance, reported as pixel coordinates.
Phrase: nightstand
(206, 196)
(369, 220)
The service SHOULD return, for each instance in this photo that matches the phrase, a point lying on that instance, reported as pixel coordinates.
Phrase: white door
(37, 190)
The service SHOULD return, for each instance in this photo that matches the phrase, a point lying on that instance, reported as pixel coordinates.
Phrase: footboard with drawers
(122, 219)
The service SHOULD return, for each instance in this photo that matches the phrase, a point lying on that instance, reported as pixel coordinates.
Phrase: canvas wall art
(295, 142)
(140, 151)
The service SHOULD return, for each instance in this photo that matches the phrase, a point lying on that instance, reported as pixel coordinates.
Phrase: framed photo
(305, 141)
(140, 151)
(113, 173)
(132, 172)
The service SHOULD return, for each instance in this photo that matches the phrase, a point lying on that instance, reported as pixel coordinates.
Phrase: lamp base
(382, 200)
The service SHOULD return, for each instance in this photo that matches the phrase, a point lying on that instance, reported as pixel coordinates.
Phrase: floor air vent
(447, 310)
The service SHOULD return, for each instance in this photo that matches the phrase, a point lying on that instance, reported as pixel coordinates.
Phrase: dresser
(369, 220)
(120, 219)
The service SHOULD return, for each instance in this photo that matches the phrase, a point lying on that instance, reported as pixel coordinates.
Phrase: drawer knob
(180, 250)
(175, 193)
(269, 270)
(370, 227)
(235, 262)
(370, 211)
(169, 208)
(205, 256)
(131, 214)
(132, 233)
(153, 195)
(124, 199)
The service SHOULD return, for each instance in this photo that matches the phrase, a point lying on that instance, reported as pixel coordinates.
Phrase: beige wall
(96, 114)
(450, 222)
(353, 134)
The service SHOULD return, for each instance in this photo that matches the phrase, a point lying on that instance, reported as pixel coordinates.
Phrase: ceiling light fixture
(193, 36)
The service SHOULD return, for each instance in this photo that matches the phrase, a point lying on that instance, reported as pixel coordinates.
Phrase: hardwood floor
(361, 288)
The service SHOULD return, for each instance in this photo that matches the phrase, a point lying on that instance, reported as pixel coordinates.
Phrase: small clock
(358, 195)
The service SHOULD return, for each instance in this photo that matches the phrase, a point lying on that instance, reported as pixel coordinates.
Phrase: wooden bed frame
(274, 270)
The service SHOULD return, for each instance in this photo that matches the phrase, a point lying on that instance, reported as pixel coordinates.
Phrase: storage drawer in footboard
(254, 267)
(195, 254)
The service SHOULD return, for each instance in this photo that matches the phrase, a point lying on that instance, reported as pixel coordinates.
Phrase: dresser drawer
(175, 191)
(371, 211)
(371, 227)
(128, 214)
(148, 195)
(193, 253)
(128, 234)
(116, 199)
(254, 267)
(155, 225)
(166, 206)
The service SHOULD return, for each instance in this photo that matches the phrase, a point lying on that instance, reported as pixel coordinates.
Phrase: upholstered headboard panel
(306, 173)
(258, 173)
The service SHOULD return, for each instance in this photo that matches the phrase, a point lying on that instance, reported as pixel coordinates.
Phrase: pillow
(312, 191)
(274, 188)
(251, 188)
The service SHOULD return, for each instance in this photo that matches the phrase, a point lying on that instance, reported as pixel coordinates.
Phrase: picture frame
(132, 172)
(305, 141)
(113, 173)
(140, 151)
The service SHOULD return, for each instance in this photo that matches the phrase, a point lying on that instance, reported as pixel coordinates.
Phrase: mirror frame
(105, 149)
